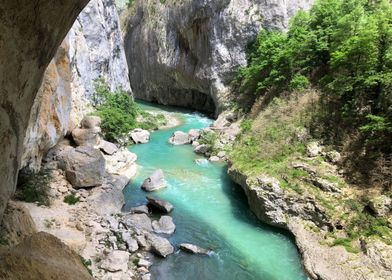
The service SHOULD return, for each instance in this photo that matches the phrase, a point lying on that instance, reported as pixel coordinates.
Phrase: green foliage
(299, 82)
(120, 114)
(34, 187)
(246, 125)
(71, 199)
(87, 264)
(208, 138)
(130, 3)
(343, 48)
(117, 110)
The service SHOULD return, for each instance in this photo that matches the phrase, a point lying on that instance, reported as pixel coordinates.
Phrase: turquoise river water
(212, 212)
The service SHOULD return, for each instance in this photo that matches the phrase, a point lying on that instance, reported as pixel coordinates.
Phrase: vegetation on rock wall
(34, 187)
(343, 48)
(120, 114)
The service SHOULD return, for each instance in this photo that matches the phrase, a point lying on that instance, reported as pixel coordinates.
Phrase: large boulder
(194, 134)
(41, 256)
(160, 204)
(140, 136)
(107, 147)
(138, 221)
(84, 166)
(90, 122)
(164, 225)
(115, 261)
(155, 182)
(180, 138)
(86, 136)
(202, 149)
(159, 245)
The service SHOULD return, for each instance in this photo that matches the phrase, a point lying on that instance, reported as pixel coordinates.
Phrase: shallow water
(212, 212)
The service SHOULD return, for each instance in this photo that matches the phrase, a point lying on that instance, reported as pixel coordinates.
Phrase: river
(209, 211)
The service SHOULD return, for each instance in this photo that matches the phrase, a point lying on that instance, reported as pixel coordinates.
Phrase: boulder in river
(201, 149)
(194, 134)
(160, 204)
(83, 166)
(140, 136)
(164, 225)
(159, 245)
(155, 182)
(180, 138)
(214, 159)
(193, 249)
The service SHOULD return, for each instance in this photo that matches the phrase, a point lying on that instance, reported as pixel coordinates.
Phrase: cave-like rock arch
(30, 33)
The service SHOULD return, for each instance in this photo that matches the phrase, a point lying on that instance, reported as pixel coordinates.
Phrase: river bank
(211, 212)
(314, 209)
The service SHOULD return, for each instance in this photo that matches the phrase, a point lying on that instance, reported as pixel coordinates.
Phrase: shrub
(120, 114)
(299, 83)
(34, 187)
(87, 264)
(71, 199)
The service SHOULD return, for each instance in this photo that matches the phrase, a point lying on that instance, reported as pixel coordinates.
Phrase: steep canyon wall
(186, 52)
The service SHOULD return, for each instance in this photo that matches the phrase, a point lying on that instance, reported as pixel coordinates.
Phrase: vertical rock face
(96, 50)
(92, 49)
(187, 53)
(30, 33)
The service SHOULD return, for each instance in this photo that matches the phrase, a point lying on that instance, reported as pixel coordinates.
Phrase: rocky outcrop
(186, 53)
(154, 182)
(92, 49)
(31, 33)
(41, 256)
(299, 213)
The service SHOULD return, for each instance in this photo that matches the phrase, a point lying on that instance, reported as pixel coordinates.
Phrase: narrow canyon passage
(212, 212)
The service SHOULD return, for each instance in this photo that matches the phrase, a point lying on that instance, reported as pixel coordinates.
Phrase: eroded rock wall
(187, 52)
(30, 34)
(92, 49)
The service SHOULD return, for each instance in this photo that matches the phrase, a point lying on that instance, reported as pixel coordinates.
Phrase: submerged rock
(180, 138)
(193, 249)
(160, 204)
(155, 182)
(164, 225)
(140, 136)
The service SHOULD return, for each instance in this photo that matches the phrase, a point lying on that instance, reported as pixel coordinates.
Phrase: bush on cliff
(343, 48)
(34, 187)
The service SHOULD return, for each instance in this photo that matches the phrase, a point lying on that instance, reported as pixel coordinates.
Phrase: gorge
(201, 55)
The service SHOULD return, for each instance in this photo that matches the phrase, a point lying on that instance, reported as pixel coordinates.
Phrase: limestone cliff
(93, 48)
(30, 33)
(186, 53)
